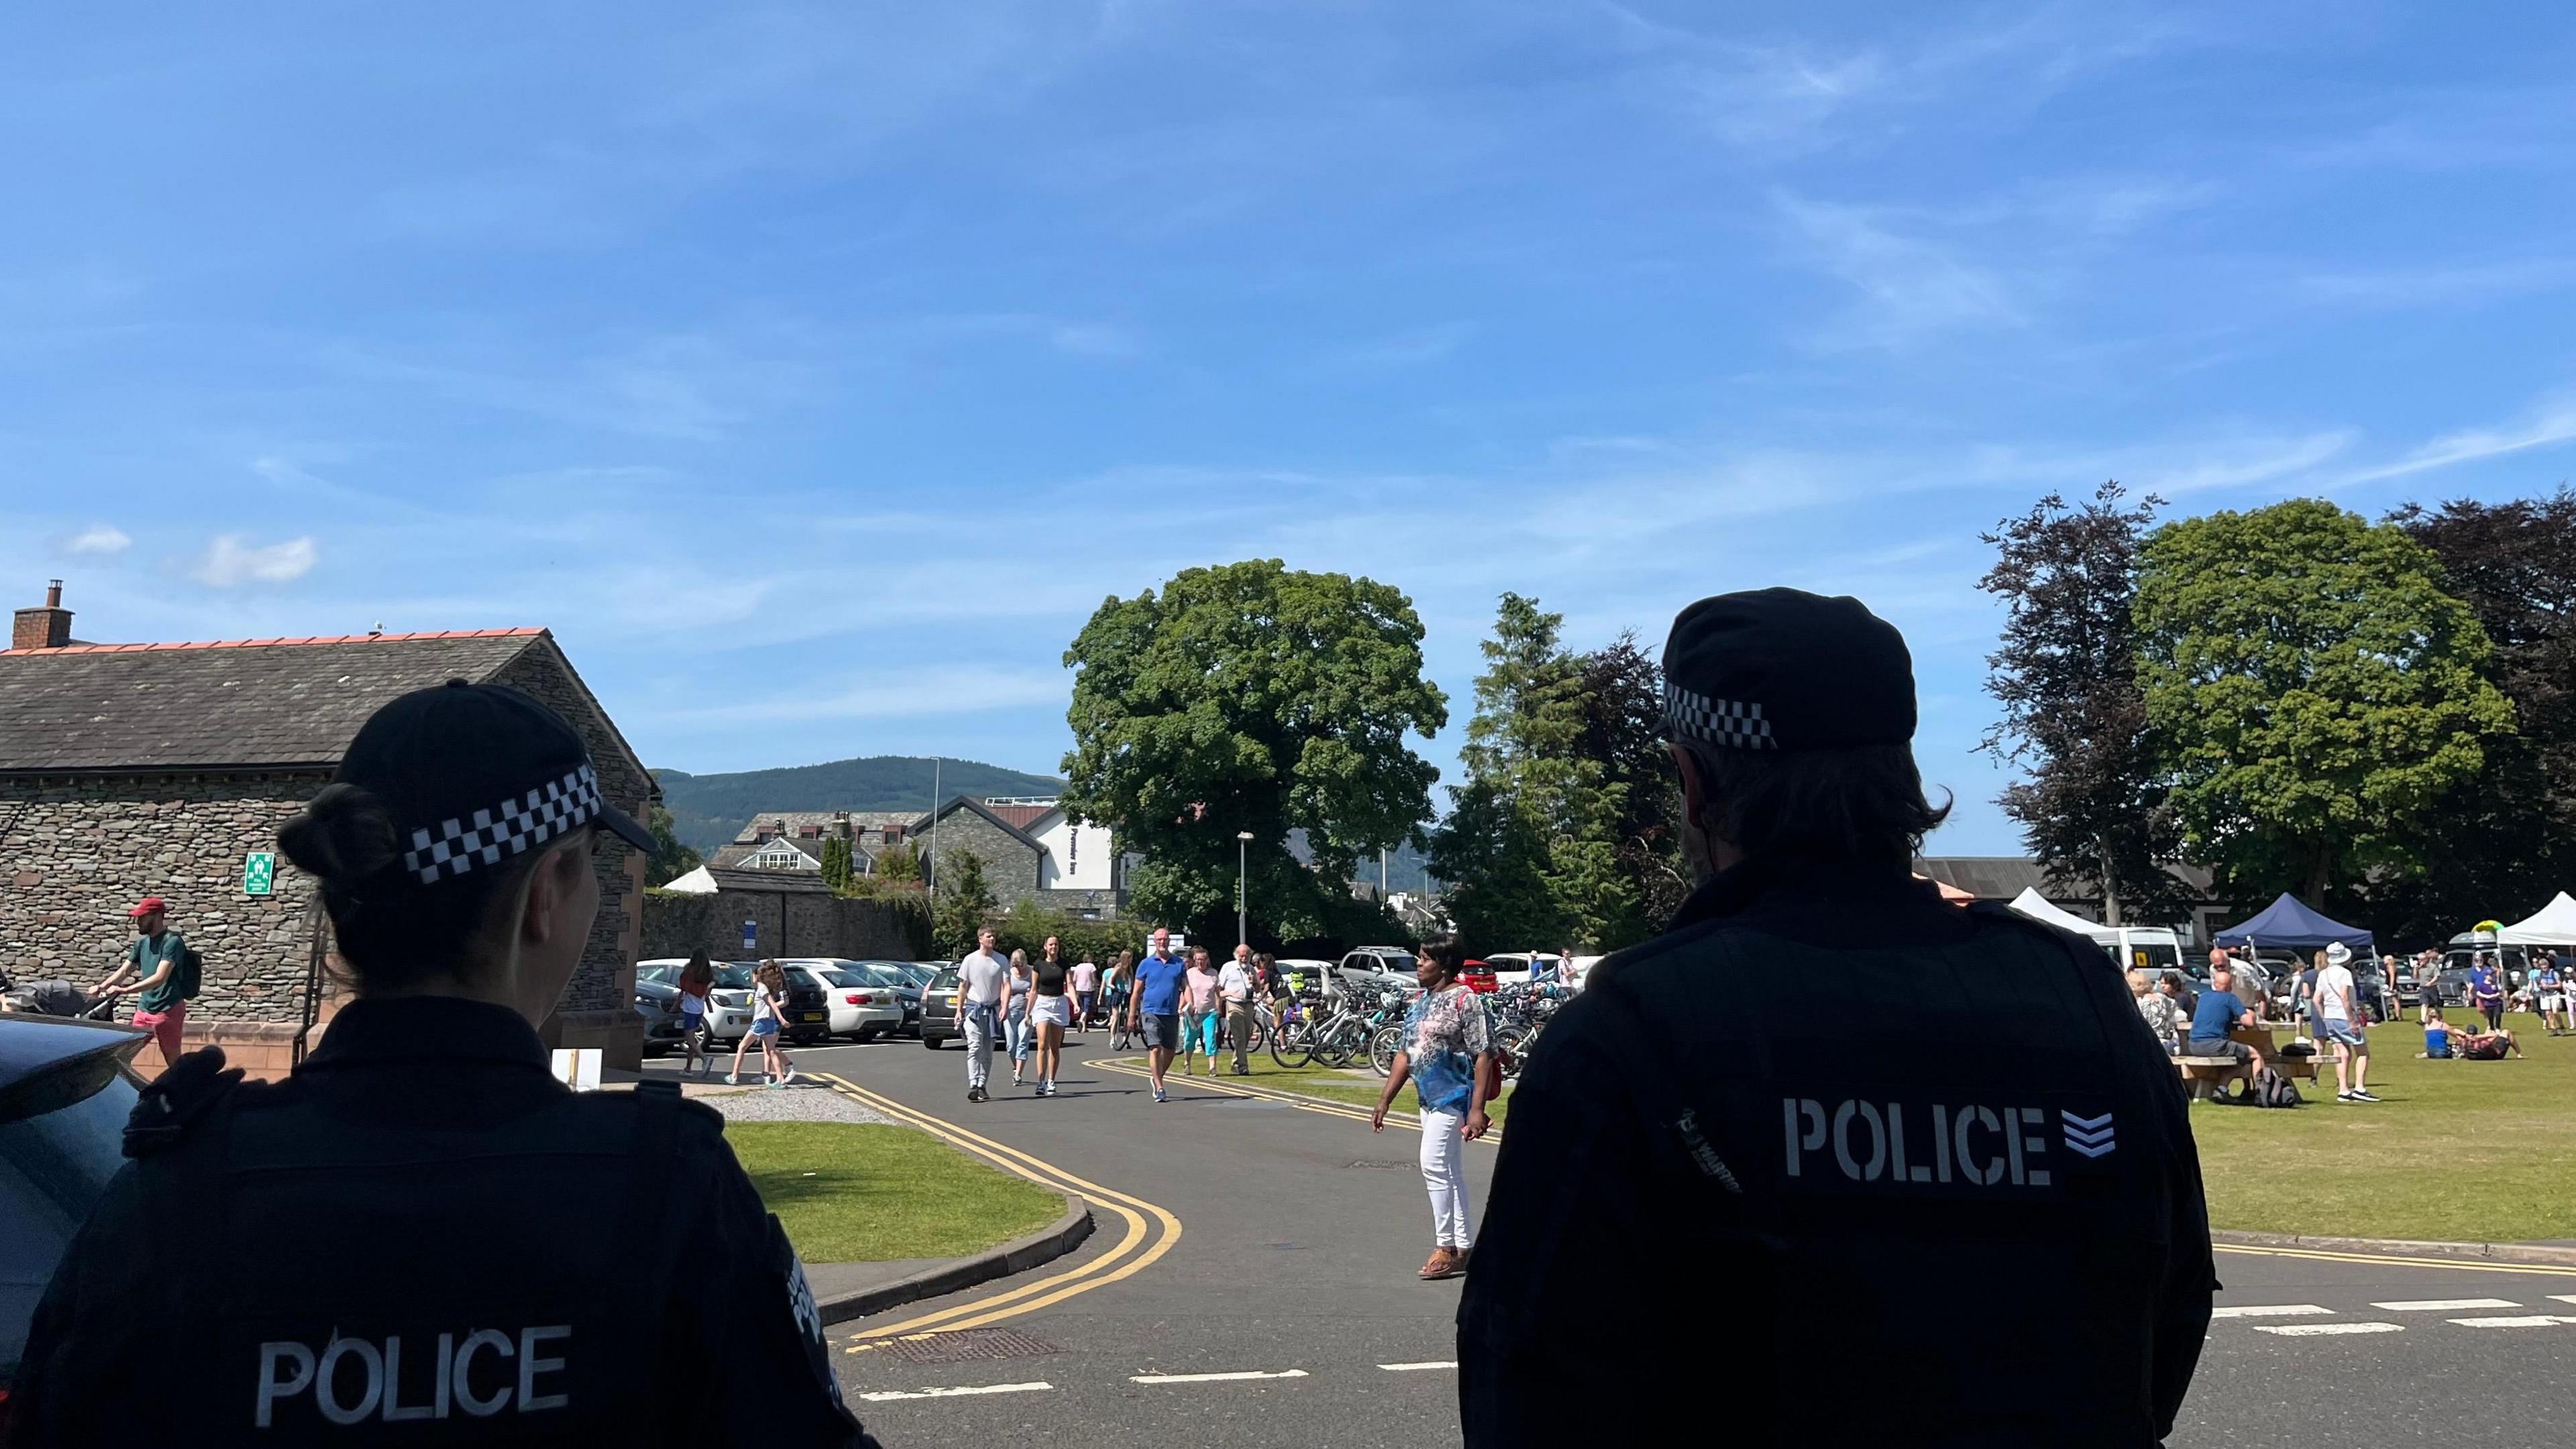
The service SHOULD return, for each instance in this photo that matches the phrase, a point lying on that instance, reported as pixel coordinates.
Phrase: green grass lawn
(2463, 1151)
(852, 1193)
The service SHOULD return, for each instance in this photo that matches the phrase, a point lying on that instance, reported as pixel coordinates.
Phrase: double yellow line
(1150, 1230)
(1238, 1088)
(2456, 1265)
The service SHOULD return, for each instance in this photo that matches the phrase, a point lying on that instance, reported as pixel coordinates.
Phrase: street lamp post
(1242, 845)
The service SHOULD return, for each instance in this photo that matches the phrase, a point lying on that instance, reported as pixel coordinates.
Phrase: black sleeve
(1563, 1234)
(769, 1365)
(2191, 1276)
(99, 1318)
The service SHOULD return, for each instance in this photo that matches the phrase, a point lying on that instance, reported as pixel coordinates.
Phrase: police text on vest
(356, 1379)
(1886, 1142)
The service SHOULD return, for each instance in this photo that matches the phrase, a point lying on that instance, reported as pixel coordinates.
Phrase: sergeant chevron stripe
(2090, 1136)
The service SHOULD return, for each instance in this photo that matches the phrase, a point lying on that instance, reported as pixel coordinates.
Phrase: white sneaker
(732, 1080)
(791, 1076)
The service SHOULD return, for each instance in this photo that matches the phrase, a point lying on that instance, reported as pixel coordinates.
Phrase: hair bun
(344, 834)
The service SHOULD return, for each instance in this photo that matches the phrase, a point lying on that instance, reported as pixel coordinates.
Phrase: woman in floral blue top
(1445, 1053)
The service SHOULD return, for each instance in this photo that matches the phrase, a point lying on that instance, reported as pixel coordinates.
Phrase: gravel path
(794, 1103)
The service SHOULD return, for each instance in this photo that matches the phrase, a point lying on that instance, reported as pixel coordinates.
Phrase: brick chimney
(49, 627)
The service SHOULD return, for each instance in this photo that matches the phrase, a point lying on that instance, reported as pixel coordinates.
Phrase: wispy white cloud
(232, 561)
(100, 539)
(1911, 289)
(2552, 424)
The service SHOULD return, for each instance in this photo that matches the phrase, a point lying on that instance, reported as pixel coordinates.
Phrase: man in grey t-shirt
(979, 1007)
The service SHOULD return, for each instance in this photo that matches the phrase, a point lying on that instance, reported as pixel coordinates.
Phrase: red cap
(147, 906)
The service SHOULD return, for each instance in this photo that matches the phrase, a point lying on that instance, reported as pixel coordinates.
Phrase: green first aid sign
(259, 872)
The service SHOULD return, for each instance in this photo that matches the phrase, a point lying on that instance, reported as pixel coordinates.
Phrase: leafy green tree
(670, 859)
(899, 863)
(1623, 729)
(2505, 842)
(838, 866)
(2092, 806)
(1250, 697)
(1531, 846)
(2313, 691)
(962, 903)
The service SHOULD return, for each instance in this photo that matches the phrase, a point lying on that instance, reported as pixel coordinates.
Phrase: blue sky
(814, 373)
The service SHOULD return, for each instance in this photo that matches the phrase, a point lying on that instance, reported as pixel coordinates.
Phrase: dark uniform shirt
(1834, 1162)
(424, 1238)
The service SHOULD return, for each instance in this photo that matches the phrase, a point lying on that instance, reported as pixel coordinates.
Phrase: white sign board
(578, 1068)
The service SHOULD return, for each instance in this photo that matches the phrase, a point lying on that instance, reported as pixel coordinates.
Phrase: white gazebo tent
(2552, 925)
(2036, 906)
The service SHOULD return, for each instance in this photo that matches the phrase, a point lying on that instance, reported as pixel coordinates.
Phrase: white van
(2152, 949)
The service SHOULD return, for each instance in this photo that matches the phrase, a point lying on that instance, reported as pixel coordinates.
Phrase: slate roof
(769, 882)
(239, 704)
(861, 821)
(1021, 817)
(920, 828)
(2002, 877)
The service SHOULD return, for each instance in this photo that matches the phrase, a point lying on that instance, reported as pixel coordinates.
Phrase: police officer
(422, 1237)
(1831, 1161)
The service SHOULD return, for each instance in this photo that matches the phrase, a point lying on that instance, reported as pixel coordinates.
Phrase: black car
(65, 1092)
(939, 1010)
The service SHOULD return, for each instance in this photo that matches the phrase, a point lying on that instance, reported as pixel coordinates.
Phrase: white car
(728, 1002)
(861, 1009)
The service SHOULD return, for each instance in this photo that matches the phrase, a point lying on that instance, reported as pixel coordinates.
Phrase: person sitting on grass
(2485, 1046)
(2437, 1036)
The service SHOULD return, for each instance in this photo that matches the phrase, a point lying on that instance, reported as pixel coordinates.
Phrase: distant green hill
(706, 810)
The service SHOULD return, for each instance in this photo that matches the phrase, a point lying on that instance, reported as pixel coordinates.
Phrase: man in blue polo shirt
(2219, 1013)
(1155, 1007)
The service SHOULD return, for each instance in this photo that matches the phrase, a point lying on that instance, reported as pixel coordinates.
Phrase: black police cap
(476, 773)
(1780, 669)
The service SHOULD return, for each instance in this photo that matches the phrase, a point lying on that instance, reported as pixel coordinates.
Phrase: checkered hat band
(492, 836)
(1734, 724)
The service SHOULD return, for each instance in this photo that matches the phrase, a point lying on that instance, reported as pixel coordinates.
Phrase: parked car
(65, 1092)
(1374, 966)
(728, 1000)
(1513, 968)
(1304, 974)
(898, 977)
(855, 1004)
(939, 1010)
(1480, 977)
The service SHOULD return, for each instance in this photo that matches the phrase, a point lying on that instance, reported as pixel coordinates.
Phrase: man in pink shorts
(156, 972)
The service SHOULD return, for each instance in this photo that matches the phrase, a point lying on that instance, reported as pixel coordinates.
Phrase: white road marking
(2445, 1305)
(888, 1395)
(1406, 1368)
(2318, 1330)
(2278, 1310)
(2564, 1297)
(1216, 1378)
(2532, 1320)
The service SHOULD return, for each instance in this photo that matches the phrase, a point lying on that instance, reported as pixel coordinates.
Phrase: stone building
(129, 770)
(1031, 850)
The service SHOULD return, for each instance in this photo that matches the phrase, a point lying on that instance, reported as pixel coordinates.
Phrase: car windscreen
(52, 1169)
(733, 978)
(944, 981)
(847, 978)
(2154, 957)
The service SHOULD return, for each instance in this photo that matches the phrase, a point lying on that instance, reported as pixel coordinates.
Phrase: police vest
(1946, 1167)
(346, 1285)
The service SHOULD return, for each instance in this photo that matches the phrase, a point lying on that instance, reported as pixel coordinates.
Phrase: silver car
(863, 1008)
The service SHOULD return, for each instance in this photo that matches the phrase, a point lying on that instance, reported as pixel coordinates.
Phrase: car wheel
(930, 1041)
(807, 1038)
(867, 1034)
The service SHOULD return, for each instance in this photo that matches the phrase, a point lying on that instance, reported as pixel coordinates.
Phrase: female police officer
(421, 1236)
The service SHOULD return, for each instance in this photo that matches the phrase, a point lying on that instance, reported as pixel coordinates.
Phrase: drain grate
(965, 1345)
(1372, 1163)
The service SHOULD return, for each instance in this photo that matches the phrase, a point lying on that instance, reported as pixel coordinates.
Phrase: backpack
(2271, 1089)
(190, 972)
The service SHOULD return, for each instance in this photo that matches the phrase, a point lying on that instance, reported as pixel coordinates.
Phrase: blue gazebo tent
(2288, 924)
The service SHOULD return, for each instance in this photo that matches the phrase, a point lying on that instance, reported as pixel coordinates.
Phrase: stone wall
(605, 981)
(76, 852)
(677, 924)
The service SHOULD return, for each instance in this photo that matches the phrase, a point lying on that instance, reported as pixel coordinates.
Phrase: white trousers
(979, 1045)
(1444, 1171)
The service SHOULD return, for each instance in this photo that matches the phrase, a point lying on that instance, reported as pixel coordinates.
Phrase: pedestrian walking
(493, 1257)
(1154, 1010)
(2554, 1014)
(1448, 1055)
(982, 977)
(768, 1017)
(159, 972)
(1890, 1241)
(1016, 1033)
(1236, 986)
(1086, 995)
(2340, 1021)
(1050, 1012)
(1201, 1015)
(697, 982)
(2486, 991)
(1120, 985)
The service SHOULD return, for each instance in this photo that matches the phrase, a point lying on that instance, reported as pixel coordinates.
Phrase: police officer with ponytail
(421, 1237)
(1831, 1161)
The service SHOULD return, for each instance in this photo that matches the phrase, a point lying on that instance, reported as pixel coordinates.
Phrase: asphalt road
(1275, 1246)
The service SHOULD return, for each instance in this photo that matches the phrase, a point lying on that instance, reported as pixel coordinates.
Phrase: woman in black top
(1050, 1013)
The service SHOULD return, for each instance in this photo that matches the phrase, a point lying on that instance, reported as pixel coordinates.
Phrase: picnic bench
(2209, 1076)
